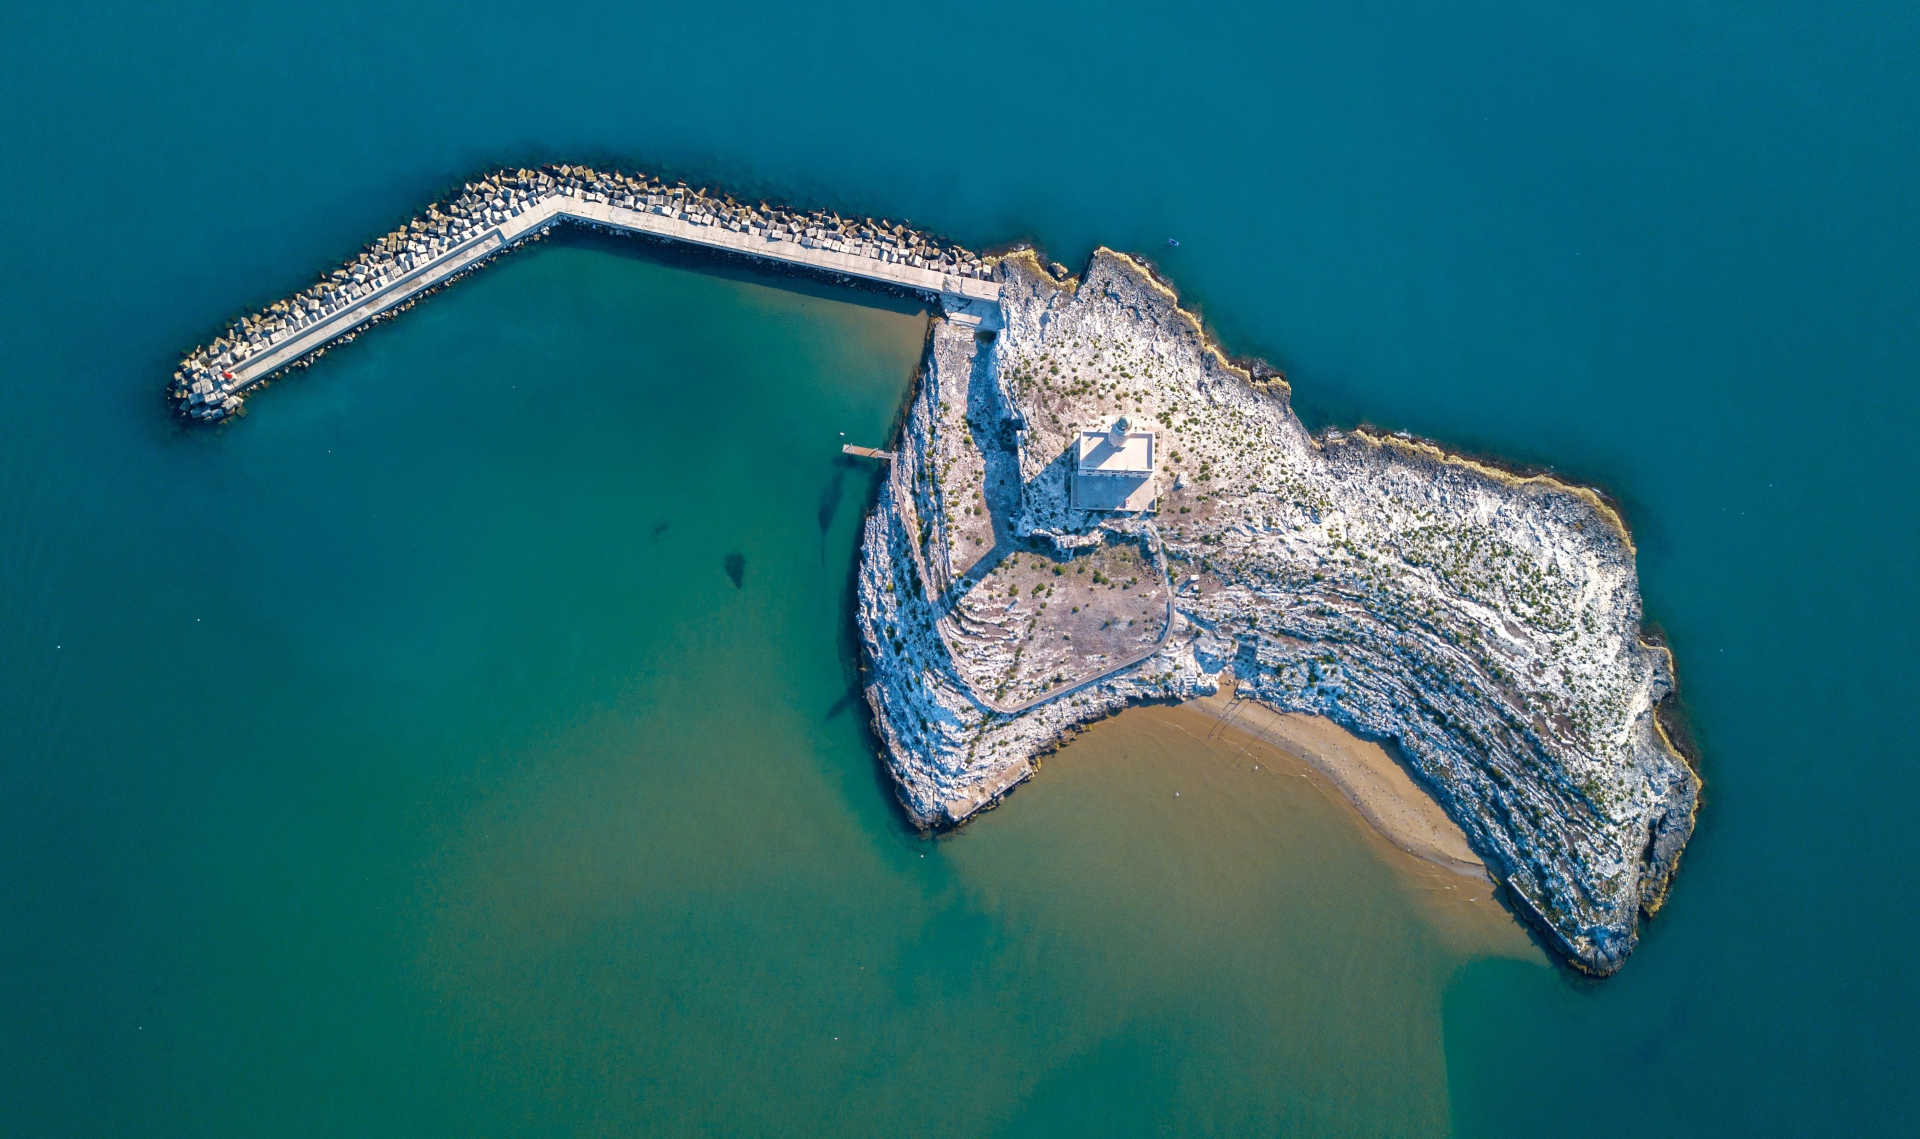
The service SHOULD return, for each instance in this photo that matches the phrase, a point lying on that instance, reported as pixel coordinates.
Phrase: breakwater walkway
(500, 211)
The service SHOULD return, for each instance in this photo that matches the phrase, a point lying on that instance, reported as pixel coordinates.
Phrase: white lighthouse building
(1114, 469)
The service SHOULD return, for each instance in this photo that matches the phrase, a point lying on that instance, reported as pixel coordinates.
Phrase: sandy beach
(1362, 771)
(1409, 829)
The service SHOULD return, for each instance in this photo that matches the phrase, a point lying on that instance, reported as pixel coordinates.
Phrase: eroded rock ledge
(1488, 624)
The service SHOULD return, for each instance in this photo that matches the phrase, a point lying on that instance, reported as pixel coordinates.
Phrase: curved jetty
(1092, 506)
(501, 210)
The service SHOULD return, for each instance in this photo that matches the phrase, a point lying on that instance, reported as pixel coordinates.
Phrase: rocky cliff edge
(1487, 624)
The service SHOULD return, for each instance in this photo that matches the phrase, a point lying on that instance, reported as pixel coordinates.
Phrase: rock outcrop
(1485, 623)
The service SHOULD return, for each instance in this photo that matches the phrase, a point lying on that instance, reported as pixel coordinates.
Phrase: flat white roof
(1099, 456)
(1113, 474)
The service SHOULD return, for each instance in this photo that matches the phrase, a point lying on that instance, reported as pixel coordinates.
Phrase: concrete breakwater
(497, 212)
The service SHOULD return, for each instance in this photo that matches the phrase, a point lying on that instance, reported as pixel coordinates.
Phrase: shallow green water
(474, 793)
(373, 767)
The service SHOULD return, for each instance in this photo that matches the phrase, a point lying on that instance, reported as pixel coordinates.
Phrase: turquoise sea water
(402, 760)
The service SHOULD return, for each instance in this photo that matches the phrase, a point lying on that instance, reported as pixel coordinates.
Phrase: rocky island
(1092, 506)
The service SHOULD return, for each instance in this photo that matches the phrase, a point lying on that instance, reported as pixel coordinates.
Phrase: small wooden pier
(864, 452)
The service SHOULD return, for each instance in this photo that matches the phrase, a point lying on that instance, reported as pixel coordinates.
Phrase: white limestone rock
(1487, 624)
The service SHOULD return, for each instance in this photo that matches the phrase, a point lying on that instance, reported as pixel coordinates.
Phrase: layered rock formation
(1487, 624)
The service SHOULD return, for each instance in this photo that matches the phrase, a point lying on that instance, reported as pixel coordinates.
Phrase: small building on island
(1114, 469)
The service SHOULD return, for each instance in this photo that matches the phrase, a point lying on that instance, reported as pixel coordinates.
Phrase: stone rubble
(447, 241)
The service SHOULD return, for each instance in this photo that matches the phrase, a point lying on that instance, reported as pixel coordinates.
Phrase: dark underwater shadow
(864, 783)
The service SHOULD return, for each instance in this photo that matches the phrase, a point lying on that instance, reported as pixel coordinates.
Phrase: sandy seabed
(1410, 831)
